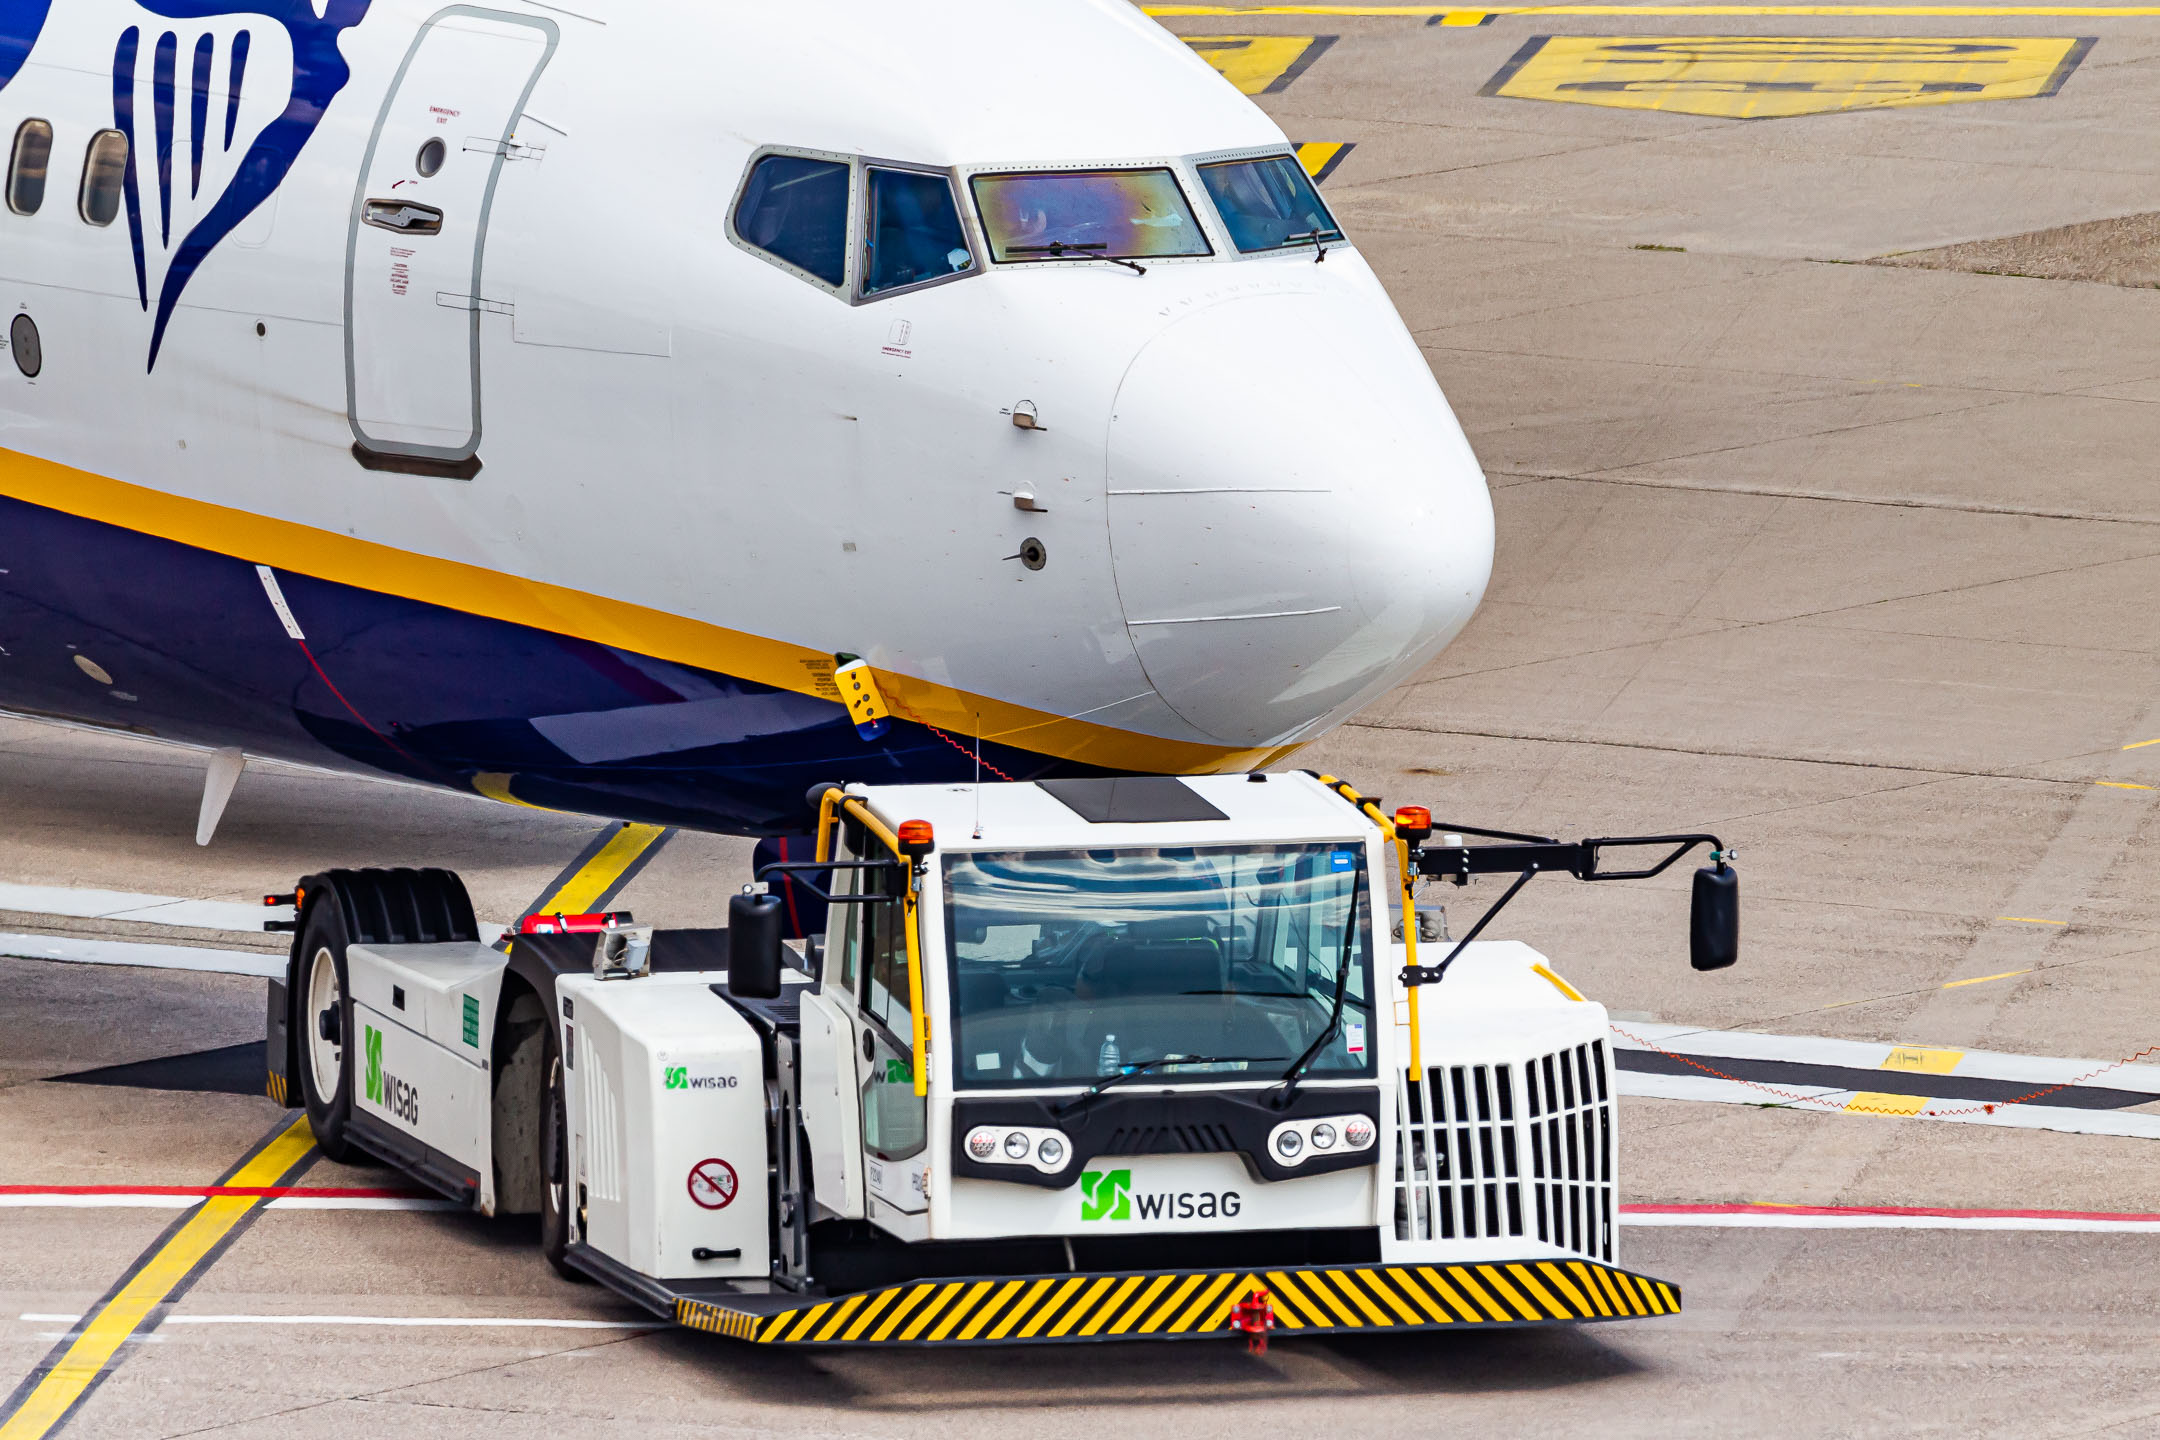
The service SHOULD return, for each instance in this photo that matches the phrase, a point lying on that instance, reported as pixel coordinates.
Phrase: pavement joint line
(53, 1392)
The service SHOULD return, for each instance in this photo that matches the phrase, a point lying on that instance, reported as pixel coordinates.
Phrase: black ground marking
(1884, 1082)
(227, 1070)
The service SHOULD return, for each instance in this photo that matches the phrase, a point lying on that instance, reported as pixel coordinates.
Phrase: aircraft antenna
(978, 775)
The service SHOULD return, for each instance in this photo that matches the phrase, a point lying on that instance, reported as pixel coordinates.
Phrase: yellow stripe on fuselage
(478, 590)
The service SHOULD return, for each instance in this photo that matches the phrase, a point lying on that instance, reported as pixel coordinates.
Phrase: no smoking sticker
(712, 1184)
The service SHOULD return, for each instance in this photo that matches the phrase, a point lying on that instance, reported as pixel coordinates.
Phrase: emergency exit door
(413, 284)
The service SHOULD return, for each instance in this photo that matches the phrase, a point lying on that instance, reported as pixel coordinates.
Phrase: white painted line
(38, 1201)
(1865, 1055)
(1968, 1112)
(1800, 1220)
(472, 1322)
(154, 957)
(89, 904)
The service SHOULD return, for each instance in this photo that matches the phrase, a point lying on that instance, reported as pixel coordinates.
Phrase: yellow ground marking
(496, 786)
(597, 876)
(2029, 920)
(1927, 1062)
(1873, 1102)
(1450, 15)
(1320, 157)
(1983, 979)
(1260, 64)
(2121, 785)
(104, 1333)
(498, 595)
(2141, 744)
(1758, 77)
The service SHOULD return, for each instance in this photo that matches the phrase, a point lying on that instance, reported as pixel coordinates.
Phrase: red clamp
(1255, 1315)
(560, 924)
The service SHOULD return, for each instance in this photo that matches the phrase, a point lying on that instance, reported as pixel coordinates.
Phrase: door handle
(403, 216)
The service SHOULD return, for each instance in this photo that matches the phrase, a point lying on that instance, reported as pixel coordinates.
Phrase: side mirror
(754, 946)
(1714, 918)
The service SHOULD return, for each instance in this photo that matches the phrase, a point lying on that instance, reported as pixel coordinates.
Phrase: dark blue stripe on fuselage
(195, 653)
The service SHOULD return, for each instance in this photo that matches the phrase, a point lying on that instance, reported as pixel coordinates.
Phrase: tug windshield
(1071, 965)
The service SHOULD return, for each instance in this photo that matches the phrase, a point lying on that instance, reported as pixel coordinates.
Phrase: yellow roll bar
(1409, 902)
(830, 805)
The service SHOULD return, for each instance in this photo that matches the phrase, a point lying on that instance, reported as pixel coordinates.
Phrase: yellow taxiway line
(169, 1266)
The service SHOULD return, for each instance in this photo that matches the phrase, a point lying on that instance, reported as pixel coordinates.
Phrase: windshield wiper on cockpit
(1319, 240)
(1146, 1065)
(1059, 249)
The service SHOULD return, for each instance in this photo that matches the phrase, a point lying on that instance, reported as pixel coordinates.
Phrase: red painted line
(270, 1192)
(1762, 1209)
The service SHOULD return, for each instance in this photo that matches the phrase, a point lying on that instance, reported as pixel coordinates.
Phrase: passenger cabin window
(104, 166)
(26, 167)
(913, 232)
(1087, 215)
(1268, 204)
(795, 209)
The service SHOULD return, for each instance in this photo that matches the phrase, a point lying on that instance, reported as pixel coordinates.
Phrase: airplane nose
(1290, 537)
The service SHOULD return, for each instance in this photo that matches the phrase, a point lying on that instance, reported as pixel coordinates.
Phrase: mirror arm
(1434, 974)
(799, 871)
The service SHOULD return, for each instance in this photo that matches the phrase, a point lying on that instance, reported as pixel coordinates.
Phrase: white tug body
(1062, 1061)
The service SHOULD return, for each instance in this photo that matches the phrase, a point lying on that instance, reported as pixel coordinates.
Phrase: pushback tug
(1069, 1061)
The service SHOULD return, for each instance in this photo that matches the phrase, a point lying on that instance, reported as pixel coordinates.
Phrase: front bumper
(1190, 1305)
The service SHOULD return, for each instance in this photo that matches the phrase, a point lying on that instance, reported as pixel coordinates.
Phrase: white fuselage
(644, 482)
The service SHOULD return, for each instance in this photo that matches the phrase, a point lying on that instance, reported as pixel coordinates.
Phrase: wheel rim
(326, 1058)
(552, 1138)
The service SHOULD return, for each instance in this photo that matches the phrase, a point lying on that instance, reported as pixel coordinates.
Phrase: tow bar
(1255, 1316)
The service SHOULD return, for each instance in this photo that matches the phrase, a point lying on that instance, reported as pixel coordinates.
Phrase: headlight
(1016, 1146)
(1323, 1137)
(982, 1142)
(1289, 1143)
(1357, 1132)
(1051, 1152)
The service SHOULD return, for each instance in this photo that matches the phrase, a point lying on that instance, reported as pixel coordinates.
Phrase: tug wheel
(555, 1200)
(324, 1022)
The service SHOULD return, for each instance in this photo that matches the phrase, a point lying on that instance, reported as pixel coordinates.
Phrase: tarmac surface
(1850, 562)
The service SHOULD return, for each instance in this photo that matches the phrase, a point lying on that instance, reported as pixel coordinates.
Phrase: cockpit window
(1268, 204)
(795, 208)
(913, 231)
(1087, 215)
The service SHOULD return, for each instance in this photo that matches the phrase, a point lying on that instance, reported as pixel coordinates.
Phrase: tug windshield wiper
(1059, 249)
(1146, 1065)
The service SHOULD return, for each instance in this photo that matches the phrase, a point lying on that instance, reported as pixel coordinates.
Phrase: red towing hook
(1255, 1315)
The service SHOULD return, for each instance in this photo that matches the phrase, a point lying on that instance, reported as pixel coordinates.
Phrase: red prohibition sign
(712, 1184)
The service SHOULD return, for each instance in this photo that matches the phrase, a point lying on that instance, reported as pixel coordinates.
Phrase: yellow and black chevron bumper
(1192, 1305)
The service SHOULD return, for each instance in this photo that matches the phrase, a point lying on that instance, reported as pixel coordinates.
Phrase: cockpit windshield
(1071, 965)
(1087, 215)
(1269, 203)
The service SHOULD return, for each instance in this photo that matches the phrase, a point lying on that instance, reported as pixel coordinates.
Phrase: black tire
(556, 1201)
(320, 1040)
